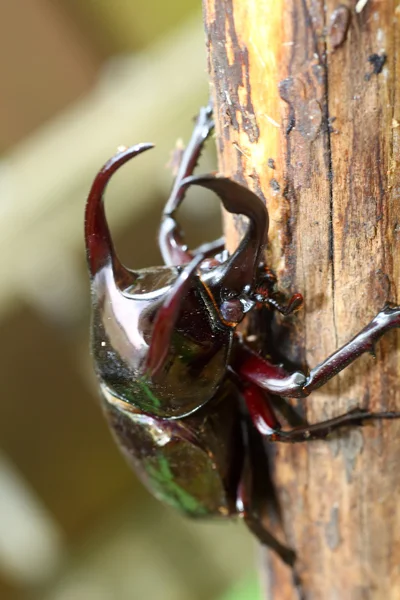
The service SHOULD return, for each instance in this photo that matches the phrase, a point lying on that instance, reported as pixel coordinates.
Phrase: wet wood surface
(307, 114)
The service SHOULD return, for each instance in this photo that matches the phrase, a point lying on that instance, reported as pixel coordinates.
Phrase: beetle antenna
(99, 247)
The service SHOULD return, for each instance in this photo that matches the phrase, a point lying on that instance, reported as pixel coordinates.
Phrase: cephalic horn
(99, 247)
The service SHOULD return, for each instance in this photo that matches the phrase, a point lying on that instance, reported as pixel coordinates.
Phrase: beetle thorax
(196, 357)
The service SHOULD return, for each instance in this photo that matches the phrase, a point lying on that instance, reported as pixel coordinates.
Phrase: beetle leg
(263, 418)
(267, 408)
(167, 316)
(294, 303)
(257, 500)
(263, 293)
(276, 380)
(387, 319)
(251, 367)
(170, 238)
(253, 519)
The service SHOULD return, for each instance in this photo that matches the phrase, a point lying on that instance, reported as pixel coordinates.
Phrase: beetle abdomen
(183, 464)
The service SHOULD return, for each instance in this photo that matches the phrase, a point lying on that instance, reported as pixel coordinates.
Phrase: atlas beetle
(188, 400)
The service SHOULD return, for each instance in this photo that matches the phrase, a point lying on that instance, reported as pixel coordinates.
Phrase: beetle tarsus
(386, 319)
(254, 523)
(276, 380)
(322, 429)
(294, 303)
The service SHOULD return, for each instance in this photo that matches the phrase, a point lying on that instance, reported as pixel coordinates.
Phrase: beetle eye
(232, 310)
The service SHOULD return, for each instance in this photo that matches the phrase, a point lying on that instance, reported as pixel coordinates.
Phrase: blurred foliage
(245, 589)
(124, 26)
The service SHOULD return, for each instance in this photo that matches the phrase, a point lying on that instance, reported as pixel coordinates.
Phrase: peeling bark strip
(233, 73)
(282, 71)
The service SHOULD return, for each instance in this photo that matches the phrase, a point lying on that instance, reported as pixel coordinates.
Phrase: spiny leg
(246, 508)
(256, 496)
(276, 380)
(388, 318)
(170, 239)
(263, 418)
(167, 316)
(264, 293)
(294, 303)
(254, 523)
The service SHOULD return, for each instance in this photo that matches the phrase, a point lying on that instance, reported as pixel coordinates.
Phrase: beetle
(187, 398)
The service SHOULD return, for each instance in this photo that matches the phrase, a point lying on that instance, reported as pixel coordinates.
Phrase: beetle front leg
(388, 318)
(170, 239)
(276, 380)
(251, 367)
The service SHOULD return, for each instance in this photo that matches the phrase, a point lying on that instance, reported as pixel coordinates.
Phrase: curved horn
(239, 271)
(99, 246)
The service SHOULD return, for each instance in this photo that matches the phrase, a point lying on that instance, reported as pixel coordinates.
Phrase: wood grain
(307, 110)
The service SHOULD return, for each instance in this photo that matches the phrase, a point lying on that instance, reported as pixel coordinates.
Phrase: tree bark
(307, 113)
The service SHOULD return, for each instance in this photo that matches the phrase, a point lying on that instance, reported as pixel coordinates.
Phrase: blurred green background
(78, 79)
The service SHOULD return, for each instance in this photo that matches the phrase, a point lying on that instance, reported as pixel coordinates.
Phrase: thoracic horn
(239, 271)
(99, 247)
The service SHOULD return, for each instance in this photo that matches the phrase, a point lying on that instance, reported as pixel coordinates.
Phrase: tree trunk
(307, 113)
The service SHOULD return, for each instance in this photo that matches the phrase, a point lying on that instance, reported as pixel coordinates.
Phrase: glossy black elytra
(185, 396)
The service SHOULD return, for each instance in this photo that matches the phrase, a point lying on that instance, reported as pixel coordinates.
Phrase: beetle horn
(99, 247)
(167, 317)
(239, 271)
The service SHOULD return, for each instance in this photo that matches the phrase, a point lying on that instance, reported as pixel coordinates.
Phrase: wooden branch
(307, 112)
